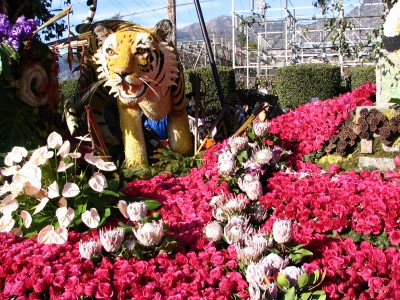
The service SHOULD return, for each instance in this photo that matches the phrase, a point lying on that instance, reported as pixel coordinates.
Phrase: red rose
(140, 267)
(376, 283)
(217, 272)
(217, 259)
(394, 237)
(104, 291)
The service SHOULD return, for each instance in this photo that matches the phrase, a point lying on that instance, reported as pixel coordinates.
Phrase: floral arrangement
(332, 214)
(47, 191)
(14, 35)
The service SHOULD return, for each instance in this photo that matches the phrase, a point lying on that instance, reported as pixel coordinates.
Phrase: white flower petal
(123, 208)
(54, 140)
(41, 205)
(65, 216)
(50, 236)
(64, 149)
(91, 218)
(9, 204)
(98, 182)
(6, 223)
(75, 155)
(63, 166)
(70, 190)
(53, 190)
(26, 218)
(85, 138)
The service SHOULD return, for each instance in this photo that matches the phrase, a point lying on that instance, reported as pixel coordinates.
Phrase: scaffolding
(298, 37)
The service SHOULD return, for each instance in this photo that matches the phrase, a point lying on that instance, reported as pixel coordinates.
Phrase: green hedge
(296, 85)
(227, 77)
(360, 75)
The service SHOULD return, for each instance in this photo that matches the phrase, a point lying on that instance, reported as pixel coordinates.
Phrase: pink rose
(394, 237)
(217, 259)
(376, 283)
(217, 272)
(104, 291)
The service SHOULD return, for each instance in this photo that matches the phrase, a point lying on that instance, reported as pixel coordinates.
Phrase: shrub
(360, 75)
(296, 85)
(227, 77)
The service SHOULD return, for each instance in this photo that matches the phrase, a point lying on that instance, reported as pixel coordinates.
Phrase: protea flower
(292, 273)
(247, 254)
(260, 128)
(235, 204)
(251, 185)
(282, 231)
(262, 155)
(226, 163)
(273, 262)
(89, 248)
(238, 143)
(149, 234)
(236, 229)
(258, 242)
(136, 211)
(213, 231)
(112, 239)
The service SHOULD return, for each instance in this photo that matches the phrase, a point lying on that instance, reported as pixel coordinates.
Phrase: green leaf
(305, 296)
(303, 280)
(394, 100)
(319, 292)
(283, 281)
(152, 204)
(110, 192)
(290, 294)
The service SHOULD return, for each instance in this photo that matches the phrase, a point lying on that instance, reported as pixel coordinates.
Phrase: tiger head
(138, 63)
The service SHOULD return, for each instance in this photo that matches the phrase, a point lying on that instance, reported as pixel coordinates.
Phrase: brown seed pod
(365, 135)
(364, 112)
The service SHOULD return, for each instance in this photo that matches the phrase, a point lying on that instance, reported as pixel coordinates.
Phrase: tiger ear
(101, 32)
(164, 30)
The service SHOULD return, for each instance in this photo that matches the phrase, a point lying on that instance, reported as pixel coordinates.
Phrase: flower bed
(348, 221)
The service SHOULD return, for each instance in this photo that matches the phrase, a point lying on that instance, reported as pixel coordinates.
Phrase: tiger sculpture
(141, 68)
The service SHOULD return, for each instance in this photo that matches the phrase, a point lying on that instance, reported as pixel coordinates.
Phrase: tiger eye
(110, 51)
(140, 51)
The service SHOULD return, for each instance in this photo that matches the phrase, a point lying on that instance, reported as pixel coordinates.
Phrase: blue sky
(149, 12)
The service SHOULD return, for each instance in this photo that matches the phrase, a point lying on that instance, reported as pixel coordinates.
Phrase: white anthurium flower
(6, 223)
(26, 218)
(105, 165)
(91, 218)
(75, 155)
(85, 138)
(90, 158)
(54, 140)
(40, 156)
(53, 190)
(62, 167)
(50, 236)
(15, 156)
(9, 204)
(25, 173)
(10, 171)
(70, 190)
(14, 188)
(41, 205)
(65, 215)
(123, 208)
(98, 182)
(62, 202)
(64, 149)
(34, 182)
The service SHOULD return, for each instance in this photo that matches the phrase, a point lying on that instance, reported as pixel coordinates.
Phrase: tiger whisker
(155, 92)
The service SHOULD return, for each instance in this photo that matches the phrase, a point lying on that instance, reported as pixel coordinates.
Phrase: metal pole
(210, 53)
(233, 35)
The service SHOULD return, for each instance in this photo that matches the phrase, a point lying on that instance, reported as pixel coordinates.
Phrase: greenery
(360, 75)
(296, 85)
(208, 85)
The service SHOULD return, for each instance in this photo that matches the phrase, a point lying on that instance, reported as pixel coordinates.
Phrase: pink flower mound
(322, 202)
(309, 126)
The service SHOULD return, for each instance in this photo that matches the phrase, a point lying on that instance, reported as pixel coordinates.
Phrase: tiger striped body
(141, 68)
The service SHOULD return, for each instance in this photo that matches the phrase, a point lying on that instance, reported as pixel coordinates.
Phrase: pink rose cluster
(366, 203)
(308, 127)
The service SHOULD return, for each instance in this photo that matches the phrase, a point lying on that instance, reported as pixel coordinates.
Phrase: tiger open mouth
(127, 90)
